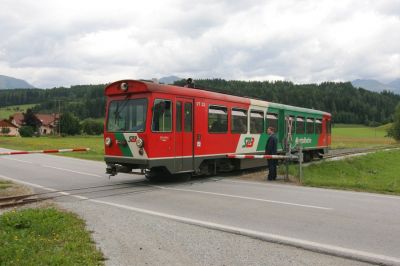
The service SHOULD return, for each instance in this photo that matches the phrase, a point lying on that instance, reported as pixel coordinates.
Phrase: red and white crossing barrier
(43, 151)
(274, 157)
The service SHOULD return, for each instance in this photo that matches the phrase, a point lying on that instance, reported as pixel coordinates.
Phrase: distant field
(95, 143)
(352, 136)
(5, 112)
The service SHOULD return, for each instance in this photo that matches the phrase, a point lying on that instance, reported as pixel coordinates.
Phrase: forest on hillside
(84, 101)
(346, 103)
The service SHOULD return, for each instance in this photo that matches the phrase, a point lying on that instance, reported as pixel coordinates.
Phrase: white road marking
(42, 187)
(246, 198)
(53, 167)
(305, 244)
(72, 171)
(18, 160)
(358, 193)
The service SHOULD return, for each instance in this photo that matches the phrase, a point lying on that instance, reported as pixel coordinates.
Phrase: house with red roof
(8, 129)
(48, 122)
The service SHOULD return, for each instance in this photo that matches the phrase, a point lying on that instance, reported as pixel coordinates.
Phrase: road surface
(216, 221)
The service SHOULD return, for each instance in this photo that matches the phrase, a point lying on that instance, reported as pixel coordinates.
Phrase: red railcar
(168, 129)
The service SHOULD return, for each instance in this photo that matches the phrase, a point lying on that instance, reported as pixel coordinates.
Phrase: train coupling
(113, 169)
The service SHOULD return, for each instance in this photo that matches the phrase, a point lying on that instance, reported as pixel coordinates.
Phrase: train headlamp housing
(123, 86)
(139, 143)
(108, 141)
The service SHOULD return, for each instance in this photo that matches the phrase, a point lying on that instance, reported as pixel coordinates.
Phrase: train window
(162, 116)
(239, 121)
(328, 127)
(217, 119)
(272, 120)
(256, 122)
(300, 125)
(127, 115)
(318, 126)
(178, 112)
(188, 117)
(310, 126)
(292, 124)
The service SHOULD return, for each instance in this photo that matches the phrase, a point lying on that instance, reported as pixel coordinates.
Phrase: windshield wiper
(120, 108)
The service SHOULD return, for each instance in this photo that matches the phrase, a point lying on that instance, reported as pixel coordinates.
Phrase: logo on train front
(248, 142)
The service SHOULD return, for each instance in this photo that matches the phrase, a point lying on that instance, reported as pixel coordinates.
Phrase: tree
(26, 131)
(31, 120)
(69, 124)
(92, 127)
(394, 130)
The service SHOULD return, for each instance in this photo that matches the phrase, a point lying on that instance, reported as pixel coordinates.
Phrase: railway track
(13, 201)
(140, 186)
(90, 192)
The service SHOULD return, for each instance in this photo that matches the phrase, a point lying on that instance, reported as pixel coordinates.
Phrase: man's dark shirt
(272, 145)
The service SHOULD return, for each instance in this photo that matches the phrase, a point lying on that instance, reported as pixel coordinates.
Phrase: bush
(69, 124)
(92, 127)
(374, 124)
(26, 131)
(394, 130)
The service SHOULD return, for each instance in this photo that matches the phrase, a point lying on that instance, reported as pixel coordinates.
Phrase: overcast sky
(60, 43)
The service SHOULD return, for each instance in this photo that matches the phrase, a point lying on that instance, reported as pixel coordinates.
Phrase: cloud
(52, 43)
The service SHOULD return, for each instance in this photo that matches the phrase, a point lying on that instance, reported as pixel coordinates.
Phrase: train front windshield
(127, 115)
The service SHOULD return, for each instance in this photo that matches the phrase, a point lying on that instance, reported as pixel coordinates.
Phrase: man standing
(271, 149)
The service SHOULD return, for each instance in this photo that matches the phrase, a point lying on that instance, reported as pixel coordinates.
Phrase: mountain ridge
(7, 82)
(377, 86)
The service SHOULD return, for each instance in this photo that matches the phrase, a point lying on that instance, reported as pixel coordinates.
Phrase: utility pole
(58, 125)
(59, 117)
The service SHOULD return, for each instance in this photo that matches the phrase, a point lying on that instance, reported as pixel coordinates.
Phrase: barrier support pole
(300, 149)
(287, 170)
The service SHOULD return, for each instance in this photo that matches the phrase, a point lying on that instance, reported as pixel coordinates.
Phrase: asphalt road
(216, 221)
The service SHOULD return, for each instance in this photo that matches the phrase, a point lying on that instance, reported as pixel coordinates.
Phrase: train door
(184, 134)
(326, 130)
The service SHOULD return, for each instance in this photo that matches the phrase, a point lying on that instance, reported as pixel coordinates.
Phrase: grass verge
(5, 184)
(45, 237)
(374, 172)
(95, 143)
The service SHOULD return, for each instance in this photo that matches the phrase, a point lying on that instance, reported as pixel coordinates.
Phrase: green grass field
(359, 136)
(5, 112)
(374, 172)
(45, 237)
(95, 143)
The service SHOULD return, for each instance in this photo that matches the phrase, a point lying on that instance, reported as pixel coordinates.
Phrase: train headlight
(123, 86)
(139, 143)
(141, 151)
(108, 141)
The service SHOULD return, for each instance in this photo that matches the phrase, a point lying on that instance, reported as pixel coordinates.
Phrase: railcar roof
(297, 109)
(113, 89)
